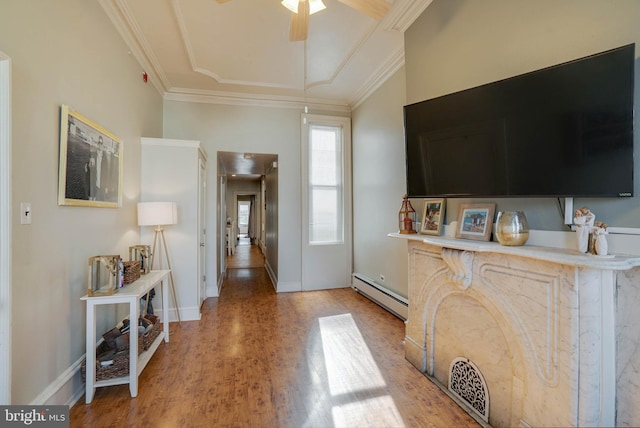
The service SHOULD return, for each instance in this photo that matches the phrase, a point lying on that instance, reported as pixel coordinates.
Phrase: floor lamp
(160, 214)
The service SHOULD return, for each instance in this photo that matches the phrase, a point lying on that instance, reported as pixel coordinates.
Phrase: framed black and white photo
(90, 163)
(475, 221)
(432, 216)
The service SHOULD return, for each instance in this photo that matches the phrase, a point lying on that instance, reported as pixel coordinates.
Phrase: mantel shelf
(550, 254)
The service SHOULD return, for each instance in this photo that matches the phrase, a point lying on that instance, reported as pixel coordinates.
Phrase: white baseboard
(67, 389)
(186, 314)
(289, 287)
(384, 297)
(214, 291)
(272, 275)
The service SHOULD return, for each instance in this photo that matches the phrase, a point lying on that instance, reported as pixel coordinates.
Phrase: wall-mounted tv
(563, 131)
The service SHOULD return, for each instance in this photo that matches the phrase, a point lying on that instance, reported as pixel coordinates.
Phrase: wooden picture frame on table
(475, 221)
(432, 216)
(90, 163)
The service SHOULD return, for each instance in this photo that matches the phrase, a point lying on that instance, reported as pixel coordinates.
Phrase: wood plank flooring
(260, 359)
(246, 255)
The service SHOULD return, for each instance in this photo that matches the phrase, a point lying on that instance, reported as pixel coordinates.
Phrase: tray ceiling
(239, 52)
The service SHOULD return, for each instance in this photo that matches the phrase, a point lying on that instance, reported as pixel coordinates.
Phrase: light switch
(25, 213)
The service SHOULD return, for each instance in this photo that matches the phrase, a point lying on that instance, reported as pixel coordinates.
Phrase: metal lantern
(407, 217)
(105, 275)
(142, 254)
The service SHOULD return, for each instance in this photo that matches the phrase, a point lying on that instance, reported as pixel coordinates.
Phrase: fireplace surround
(542, 325)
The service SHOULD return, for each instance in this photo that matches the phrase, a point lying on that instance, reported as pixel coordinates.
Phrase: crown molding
(122, 19)
(388, 69)
(399, 18)
(254, 100)
(403, 13)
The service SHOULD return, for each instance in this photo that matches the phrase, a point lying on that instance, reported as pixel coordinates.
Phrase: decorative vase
(512, 228)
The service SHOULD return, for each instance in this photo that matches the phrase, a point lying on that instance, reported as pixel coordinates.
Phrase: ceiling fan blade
(376, 9)
(300, 22)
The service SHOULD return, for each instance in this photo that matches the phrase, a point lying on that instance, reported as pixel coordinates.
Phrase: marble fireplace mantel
(550, 329)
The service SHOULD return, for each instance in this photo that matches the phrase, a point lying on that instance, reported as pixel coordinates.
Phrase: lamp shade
(314, 5)
(157, 213)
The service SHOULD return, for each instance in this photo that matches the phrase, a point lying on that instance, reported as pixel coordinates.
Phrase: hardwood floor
(246, 256)
(260, 359)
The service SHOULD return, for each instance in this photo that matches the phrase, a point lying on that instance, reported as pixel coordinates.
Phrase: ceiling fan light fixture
(314, 5)
(292, 5)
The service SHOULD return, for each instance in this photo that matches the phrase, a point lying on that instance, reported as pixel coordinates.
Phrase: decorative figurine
(600, 232)
(584, 221)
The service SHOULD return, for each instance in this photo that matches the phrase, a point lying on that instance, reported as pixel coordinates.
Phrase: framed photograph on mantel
(432, 216)
(90, 163)
(475, 221)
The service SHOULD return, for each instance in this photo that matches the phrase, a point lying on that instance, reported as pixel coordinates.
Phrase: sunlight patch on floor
(350, 366)
(352, 374)
(374, 412)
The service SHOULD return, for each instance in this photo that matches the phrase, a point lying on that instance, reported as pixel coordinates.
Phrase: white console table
(131, 295)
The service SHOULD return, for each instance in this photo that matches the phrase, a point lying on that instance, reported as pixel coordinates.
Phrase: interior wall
(272, 210)
(65, 52)
(459, 44)
(257, 130)
(379, 184)
(221, 265)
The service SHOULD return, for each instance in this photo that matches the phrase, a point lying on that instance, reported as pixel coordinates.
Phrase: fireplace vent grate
(467, 383)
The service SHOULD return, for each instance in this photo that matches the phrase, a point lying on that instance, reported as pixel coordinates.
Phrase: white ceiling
(247, 165)
(239, 52)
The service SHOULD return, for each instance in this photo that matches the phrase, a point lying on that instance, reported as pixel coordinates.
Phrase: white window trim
(339, 185)
(333, 122)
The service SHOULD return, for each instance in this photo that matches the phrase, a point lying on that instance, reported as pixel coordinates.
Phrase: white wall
(459, 44)
(170, 172)
(379, 184)
(219, 252)
(256, 130)
(65, 52)
(271, 244)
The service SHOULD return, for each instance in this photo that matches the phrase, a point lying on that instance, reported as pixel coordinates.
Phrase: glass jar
(512, 228)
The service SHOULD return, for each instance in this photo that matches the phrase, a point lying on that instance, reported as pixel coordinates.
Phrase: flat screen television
(563, 131)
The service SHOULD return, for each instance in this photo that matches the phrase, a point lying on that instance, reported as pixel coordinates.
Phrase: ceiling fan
(301, 9)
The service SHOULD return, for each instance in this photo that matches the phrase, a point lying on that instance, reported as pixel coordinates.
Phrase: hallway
(247, 255)
(260, 359)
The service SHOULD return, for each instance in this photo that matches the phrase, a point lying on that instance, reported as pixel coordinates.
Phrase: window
(325, 184)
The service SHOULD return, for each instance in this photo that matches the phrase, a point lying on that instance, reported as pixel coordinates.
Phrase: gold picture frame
(432, 216)
(475, 221)
(90, 163)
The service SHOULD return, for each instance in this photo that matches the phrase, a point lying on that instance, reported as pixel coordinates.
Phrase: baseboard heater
(394, 303)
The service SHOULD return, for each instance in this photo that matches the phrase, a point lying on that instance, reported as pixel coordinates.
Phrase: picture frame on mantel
(475, 221)
(90, 163)
(432, 216)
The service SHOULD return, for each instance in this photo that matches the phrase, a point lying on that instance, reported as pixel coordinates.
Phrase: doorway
(5, 229)
(248, 205)
(246, 218)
